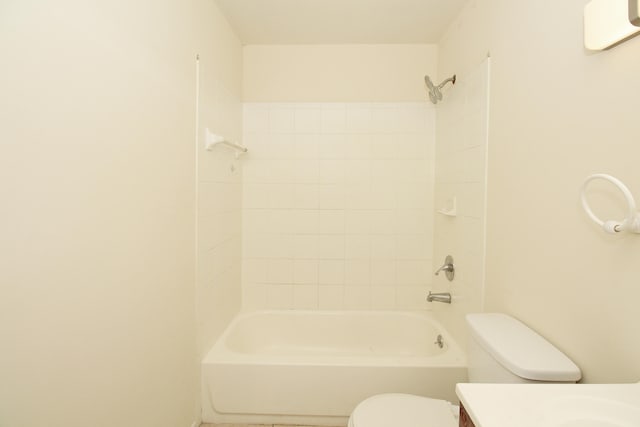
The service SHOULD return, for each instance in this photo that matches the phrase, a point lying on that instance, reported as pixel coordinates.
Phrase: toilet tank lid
(519, 349)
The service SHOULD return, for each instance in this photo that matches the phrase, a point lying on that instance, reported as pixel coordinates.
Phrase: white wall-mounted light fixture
(634, 12)
(608, 22)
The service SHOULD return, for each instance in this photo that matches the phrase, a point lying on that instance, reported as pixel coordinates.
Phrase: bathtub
(314, 367)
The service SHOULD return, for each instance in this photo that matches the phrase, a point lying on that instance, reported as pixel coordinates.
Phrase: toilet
(501, 350)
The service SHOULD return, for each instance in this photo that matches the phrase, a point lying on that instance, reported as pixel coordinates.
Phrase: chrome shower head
(435, 94)
(429, 83)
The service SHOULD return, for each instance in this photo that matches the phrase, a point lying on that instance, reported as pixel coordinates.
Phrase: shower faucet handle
(447, 267)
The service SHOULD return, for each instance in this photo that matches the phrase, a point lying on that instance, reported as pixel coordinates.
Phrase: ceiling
(339, 21)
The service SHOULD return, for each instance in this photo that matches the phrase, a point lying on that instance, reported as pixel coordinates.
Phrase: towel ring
(630, 224)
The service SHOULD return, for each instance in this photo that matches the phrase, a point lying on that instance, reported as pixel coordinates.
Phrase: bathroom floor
(251, 425)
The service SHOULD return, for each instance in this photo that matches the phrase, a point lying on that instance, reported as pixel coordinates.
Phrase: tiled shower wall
(338, 205)
(219, 194)
(461, 173)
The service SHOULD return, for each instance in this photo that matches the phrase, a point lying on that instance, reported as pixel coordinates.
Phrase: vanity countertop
(551, 405)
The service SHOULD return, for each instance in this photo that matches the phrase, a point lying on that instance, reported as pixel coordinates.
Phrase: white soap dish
(450, 208)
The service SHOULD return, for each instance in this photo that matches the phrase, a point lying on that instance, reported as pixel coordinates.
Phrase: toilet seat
(403, 410)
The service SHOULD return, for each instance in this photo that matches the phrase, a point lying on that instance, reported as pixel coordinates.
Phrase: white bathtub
(313, 367)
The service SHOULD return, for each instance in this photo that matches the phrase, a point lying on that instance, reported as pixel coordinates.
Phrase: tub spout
(444, 297)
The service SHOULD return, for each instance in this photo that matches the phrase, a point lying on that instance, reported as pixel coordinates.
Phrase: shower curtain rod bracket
(212, 139)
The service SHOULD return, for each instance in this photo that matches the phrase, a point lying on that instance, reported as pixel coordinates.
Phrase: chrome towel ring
(630, 224)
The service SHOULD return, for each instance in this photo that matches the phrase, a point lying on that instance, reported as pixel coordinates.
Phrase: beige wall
(337, 73)
(97, 242)
(558, 114)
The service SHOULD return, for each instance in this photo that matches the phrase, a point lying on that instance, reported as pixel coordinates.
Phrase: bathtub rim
(454, 356)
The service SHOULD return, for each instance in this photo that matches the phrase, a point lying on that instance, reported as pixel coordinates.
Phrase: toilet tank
(504, 350)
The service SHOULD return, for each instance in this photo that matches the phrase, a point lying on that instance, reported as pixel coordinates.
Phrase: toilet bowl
(501, 350)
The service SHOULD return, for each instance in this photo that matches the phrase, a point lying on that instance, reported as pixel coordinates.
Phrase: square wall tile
(255, 270)
(413, 119)
(384, 147)
(413, 272)
(357, 171)
(412, 298)
(279, 246)
(331, 146)
(306, 146)
(307, 171)
(280, 271)
(279, 297)
(257, 144)
(331, 222)
(383, 298)
(414, 246)
(332, 171)
(470, 199)
(413, 221)
(331, 272)
(357, 298)
(331, 246)
(357, 147)
(256, 195)
(279, 146)
(256, 245)
(417, 146)
(305, 271)
(358, 246)
(254, 297)
(357, 272)
(359, 118)
(383, 272)
(302, 221)
(307, 120)
(333, 119)
(386, 119)
(281, 119)
(382, 221)
(360, 196)
(306, 196)
(331, 196)
(305, 246)
(281, 196)
(305, 297)
(414, 196)
(383, 246)
(330, 297)
(358, 221)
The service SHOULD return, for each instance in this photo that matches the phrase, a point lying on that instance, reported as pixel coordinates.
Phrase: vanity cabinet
(465, 420)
